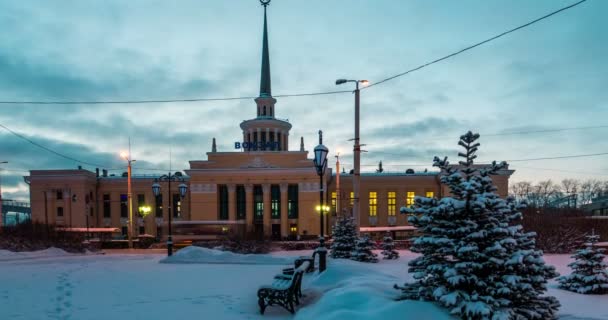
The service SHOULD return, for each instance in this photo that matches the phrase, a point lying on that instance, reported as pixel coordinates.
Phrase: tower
(265, 132)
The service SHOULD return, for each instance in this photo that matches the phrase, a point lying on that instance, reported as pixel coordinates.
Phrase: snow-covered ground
(56, 285)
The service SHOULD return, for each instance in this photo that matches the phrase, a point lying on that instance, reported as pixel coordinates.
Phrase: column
(284, 204)
(249, 207)
(231, 202)
(275, 146)
(259, 139)
(267, 207)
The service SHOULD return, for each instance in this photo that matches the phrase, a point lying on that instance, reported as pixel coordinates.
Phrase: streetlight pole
(156, 189)
(127, 156)
(356, 152)
(320, 163)
(338, 212)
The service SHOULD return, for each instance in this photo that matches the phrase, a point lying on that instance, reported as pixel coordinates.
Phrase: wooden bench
(285, 290)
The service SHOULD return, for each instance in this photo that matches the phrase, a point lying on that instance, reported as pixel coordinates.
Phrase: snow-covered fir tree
(363, 250)
(475, 260)
(344, 234)
(388, 247)
(589, 273)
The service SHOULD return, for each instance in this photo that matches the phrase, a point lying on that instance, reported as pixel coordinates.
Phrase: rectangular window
(333, 202)
(292, 201)
(141, 200)
(142, 230)
(125, 231)
(159, 232)
(59, 195)
(373, 203)
(60, 211)
(258, 202)
(275, 201)
(124, 206)
(430, 194)
(158, 206)
(91, 212)
(351, 199)
(241, 200)
(177, 206)
(409, 201)
(392, 203)
(222, 198)
(271, 139)
(107, 206)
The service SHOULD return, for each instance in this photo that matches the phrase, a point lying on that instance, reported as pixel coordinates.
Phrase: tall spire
(265, 74)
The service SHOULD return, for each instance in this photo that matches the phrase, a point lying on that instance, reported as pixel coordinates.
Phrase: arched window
(264, 112)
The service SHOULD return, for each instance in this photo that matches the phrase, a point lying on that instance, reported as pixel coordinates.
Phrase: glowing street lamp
(320, 162)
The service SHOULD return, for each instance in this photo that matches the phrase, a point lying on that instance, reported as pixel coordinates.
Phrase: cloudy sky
(551, 75)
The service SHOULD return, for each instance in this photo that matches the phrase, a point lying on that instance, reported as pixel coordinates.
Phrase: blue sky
(550, 75)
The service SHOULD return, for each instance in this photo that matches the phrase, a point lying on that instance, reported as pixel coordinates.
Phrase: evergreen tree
(344, 234)
(388, 247)
(589, 274)
(363, 250)
(474, 259)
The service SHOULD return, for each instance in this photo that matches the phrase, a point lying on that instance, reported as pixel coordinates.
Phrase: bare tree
(590, 189)
(570, 186)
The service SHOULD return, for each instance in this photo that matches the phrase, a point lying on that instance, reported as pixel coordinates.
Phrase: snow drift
(203, 255)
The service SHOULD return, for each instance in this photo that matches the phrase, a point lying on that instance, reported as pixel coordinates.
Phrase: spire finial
(265, 90)
(320, 137)
(213, 146)
(302, 144)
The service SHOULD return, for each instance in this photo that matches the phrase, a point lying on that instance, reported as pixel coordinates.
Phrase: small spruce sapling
(363, 250)
(388, 247)
(589, 274)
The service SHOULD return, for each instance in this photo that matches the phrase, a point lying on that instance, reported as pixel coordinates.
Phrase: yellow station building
(265, 188)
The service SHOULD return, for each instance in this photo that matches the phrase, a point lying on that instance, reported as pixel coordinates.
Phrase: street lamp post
(127, 156)
(157, 192)
(320, 163)
(356, 151)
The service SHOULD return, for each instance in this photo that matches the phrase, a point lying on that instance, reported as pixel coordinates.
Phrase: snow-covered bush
(363, 250)
(475, 259)
(589, 274)
(344, 234)
(388, 247)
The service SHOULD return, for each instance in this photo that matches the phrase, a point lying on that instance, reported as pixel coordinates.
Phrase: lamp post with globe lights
(320, 162)
(156, 189)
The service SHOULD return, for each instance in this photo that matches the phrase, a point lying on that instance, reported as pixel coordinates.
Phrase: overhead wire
(473, 46)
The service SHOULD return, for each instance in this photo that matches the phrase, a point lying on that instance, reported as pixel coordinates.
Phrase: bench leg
(262, 305)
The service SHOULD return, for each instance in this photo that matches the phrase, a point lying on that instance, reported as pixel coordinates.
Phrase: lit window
(373, 203)
(224, 229)
(430, 194)
(392, 203)
(352, 198)
(410, 198)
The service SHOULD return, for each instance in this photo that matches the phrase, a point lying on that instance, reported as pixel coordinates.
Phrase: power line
(474, 45)
(174, 100)
(561, 157)
(49, 149)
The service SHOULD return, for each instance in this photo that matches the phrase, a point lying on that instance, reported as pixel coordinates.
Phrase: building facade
(264, 189)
